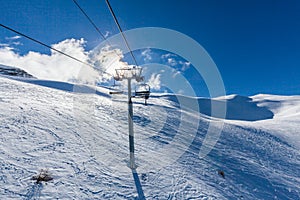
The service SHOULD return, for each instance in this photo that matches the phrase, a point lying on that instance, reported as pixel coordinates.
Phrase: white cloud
(3, 45)
(147, 55)
(168, 55)
(17, 43)
(108, 60)
(54, 66)
(13, 38)
(180, 91)
(154, 81)
(61, 68)
(172, 62)
(107, 33)
(175, 74)
(170, 59)
(185, 65)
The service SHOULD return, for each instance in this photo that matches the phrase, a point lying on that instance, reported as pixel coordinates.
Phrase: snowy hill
(79, 134)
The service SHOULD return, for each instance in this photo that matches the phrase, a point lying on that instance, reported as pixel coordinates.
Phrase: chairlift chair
(142, 91)
(115, 89)
(115, 92)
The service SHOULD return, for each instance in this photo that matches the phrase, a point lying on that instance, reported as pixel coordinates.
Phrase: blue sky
(255, 44)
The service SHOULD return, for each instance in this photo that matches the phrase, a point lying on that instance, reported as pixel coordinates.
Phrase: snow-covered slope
(285, 122)
(80, 136)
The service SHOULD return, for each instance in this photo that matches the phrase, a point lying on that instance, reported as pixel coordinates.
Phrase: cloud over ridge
(58, 67)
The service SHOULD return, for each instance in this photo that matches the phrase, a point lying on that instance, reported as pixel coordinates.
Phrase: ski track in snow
(82, 139)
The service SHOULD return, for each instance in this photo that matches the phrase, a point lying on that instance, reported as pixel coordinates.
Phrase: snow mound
(282, 106)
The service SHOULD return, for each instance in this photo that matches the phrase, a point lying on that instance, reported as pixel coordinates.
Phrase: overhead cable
(94, 25)
(120, 29)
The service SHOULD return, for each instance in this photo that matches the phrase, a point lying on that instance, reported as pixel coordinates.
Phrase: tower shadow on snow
(138, 185)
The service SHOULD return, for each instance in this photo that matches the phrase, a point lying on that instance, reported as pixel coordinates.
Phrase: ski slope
(79, 134)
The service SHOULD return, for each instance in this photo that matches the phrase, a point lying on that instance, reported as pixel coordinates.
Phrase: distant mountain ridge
(14, 71)
(237, 107)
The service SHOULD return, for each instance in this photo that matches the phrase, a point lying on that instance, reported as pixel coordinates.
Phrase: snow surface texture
(52, 128)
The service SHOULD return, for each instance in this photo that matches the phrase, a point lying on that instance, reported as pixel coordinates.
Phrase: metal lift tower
(129, 74)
